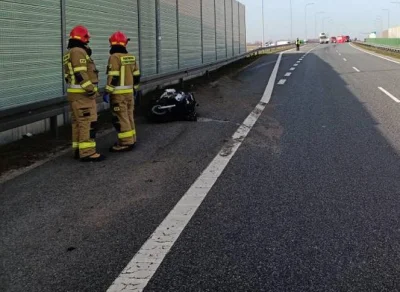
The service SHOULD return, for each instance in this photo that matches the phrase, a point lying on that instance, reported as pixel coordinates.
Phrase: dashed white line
(356, 69)
(298, 62)
(389, 94)
(340, 54)
(292, 69)
(147, 260)
(282, 81)
(288, 74)
(295, 65)
(344, 59)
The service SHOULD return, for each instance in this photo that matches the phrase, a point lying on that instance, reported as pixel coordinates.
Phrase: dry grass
(379, 51)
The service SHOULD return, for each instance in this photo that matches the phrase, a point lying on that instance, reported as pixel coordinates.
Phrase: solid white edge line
(147, 260)
(373, 54)
(389, 94)
(282, 81)
(356, 69)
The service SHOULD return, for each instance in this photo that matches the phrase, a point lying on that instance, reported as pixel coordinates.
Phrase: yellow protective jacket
(80, 72)
(123, 74)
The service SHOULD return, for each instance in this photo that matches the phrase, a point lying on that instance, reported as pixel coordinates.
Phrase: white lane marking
(344, 59)
(147, 260)
(340, 54)
(282, 81)
(356, 69)
(389, 94)
(373, 54)
(292, 69)
(288, 74)
(295, 65)
(299, 61)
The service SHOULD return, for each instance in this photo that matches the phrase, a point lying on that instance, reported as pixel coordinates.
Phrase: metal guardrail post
(202, 31)
(158, 36)
(177, 34)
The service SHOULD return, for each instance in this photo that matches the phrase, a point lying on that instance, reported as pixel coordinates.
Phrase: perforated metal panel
(148, 38)
(208, 13)
(102, 19)
(30, 51)
(242, 28)
(169, 36)
(236, 40)
(220, 24)
(189, 33)
(229, 28)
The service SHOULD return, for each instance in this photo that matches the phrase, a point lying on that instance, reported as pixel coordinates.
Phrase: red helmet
(80, 33)
(118, 38)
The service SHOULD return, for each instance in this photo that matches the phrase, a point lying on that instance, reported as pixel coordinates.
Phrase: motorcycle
(173, 105)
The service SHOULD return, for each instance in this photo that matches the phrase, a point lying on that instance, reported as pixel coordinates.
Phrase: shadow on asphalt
(310, 202)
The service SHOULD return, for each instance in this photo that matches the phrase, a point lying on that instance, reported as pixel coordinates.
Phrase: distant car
(347, 38)
(333, 40)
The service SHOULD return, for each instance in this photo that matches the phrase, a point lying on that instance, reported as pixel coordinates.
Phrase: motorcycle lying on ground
(173, 105)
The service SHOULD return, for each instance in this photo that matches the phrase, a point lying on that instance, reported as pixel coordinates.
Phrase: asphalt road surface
(290, 186)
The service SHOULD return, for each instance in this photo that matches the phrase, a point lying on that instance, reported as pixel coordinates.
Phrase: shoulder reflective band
(128, 60)
(86, 145)
(128, 134)
(79, 69)
(113, 73)
(66, 59)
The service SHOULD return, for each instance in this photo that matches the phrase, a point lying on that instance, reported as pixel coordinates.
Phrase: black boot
(76, 154)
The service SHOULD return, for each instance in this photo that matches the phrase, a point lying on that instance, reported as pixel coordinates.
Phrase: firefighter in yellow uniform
(123, 78)
(82, 79)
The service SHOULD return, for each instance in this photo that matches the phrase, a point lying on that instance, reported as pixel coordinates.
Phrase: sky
(343, 17)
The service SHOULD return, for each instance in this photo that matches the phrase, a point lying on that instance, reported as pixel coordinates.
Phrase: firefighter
(123, 78)
(81, 77)
(298, 44)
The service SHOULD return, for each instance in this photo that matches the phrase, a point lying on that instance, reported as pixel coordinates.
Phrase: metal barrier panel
(102, 19)
(208, 31)
(236, 37)
(168, 38)
(220, 29)
(229, 28)
(148, 38)
(242, 28)
(189, 33)
(30, 52)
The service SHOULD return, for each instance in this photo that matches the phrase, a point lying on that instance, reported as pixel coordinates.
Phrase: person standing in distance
(123, 78)
(81, 77)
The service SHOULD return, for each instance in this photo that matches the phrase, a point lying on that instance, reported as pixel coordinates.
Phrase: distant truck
(323, 39)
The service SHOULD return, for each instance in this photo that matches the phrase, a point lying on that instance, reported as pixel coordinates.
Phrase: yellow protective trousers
(84, 123)
(122, 107)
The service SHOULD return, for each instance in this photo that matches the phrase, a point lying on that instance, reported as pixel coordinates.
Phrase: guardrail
(383, 47)
(51, 109)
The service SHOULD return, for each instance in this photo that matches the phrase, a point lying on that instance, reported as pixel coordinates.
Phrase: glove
(106, 97)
